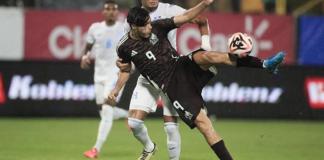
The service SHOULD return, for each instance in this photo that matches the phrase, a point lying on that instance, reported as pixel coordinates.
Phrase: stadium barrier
(47, 89)
(296, 92)
(31, 88)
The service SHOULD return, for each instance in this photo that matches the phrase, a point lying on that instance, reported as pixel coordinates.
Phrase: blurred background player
(145, 97)
(101, 44)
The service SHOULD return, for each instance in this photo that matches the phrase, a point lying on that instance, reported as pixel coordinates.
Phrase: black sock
(249, 61)
(221, 151)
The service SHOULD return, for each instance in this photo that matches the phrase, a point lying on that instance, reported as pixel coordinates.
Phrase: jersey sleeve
(165, 25)
(123, 54)
(90, 38)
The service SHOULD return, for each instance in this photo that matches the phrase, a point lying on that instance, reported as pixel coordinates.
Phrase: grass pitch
(67, 139)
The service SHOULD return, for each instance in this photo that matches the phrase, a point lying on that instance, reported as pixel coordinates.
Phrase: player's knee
(135, 124)
(172, 119)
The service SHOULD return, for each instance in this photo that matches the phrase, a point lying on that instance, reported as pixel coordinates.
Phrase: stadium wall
(59, 89)
(59, 35)
(62, 36)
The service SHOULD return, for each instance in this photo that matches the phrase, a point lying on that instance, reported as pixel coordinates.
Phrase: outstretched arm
(123, 76)
(192, 13)
(203, 26)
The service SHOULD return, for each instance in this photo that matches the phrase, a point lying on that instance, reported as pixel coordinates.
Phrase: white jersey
(164, 10)
(104, 39)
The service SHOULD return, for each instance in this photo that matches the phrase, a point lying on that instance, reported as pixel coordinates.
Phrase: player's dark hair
(110, 2)
(138, 16)
(139, 3)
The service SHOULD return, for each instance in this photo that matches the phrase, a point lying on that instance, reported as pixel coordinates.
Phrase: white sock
(173, 140)
(120, 113)
(105, 125)
(140, 133)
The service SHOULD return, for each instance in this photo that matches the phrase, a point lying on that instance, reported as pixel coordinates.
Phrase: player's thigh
(187, 104)
(206, 59)
(144, 98)
(184, 91)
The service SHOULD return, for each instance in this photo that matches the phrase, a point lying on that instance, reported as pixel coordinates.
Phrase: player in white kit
(101, 40)
(145, 96)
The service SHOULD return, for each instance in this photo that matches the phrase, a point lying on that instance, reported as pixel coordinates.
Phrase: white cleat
(147, 155)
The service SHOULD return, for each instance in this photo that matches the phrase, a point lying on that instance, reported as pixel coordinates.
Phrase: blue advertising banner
(311, 37)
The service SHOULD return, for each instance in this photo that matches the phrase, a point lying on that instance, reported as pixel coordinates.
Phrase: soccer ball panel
(240, 43)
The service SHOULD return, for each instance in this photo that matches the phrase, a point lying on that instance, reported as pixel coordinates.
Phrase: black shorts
(184, 89)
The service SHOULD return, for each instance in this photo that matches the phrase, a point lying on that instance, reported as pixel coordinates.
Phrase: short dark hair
(138, 16)
(139, 3)
(110, 2)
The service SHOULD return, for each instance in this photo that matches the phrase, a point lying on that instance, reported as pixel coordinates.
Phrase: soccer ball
(240, 44)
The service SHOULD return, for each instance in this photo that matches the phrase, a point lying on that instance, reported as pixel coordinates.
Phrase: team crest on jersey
(153, 39)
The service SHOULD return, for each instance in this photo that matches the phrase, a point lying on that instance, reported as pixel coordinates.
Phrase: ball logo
(315, 91)
(2, 91)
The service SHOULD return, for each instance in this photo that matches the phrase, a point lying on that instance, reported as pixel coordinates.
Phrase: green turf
(66, 139)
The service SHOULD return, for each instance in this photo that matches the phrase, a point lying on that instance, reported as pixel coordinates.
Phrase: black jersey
(154, 57)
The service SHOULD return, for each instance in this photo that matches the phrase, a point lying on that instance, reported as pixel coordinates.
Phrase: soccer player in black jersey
(181, 79)
(144, 97)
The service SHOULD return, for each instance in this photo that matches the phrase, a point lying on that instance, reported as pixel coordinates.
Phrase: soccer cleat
(92, 153)
(147, 155)
(272, 64)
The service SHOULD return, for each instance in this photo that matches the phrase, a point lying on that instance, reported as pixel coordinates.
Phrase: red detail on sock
(2, 91)
(159, 103)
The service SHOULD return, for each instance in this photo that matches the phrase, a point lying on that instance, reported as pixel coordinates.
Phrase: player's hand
(112, 98)
(85, 62)
(122, 66)
(208, 2)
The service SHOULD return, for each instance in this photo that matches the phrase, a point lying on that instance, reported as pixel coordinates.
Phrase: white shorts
(102, 90)
(145, 96)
